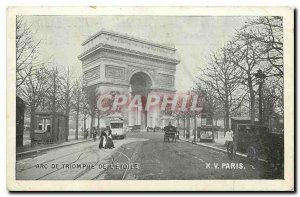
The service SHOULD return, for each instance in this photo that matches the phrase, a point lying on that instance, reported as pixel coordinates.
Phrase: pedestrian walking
(109, 143)
(103, 137)
(228, 138)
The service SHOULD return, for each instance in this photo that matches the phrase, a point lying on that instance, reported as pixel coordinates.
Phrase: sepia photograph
(182, 96)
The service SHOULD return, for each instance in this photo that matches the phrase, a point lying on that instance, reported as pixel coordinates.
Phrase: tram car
(117, 128)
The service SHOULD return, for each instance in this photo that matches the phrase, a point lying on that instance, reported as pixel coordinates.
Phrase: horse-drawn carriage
(170, 133)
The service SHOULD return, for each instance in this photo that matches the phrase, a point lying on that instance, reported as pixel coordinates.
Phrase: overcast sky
(193, 37)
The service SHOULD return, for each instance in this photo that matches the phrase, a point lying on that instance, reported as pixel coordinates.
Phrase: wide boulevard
(140, 156)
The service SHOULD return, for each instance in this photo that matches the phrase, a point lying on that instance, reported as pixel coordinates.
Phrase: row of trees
(227, 84)
(229, 76)
(42, 85)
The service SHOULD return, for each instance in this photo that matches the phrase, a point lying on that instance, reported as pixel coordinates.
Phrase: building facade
(128, 65)
(54, 125)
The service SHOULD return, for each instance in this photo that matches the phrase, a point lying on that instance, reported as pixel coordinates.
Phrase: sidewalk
(27, 149)
(218, 145)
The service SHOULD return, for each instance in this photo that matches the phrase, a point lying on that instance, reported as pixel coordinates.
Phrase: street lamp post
(261, 77)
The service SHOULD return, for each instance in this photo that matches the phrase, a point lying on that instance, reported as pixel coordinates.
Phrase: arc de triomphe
(116, 62)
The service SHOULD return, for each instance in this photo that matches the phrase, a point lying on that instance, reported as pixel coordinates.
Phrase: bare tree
(33, 92)
(77, 99)
(53, 95)
(273, 99)
(222, 77)
(268, 32)
(258, 45)
(244, 55)
(66, 90)
(210, 102)
(86, 110)
(26, 51)
(89, 103)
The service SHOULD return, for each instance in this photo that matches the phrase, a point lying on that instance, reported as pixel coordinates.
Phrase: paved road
(142, 156)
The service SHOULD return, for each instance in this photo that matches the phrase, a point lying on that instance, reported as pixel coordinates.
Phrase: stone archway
(119, 62)
(140, 84)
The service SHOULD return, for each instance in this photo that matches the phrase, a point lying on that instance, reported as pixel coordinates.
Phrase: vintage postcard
(150, 99)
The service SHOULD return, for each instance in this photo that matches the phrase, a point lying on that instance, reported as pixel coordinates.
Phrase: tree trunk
(252, 101)
(92, 123)
(84, 123)
(68, 103)
(53, 128)
(77, 120)
(32, 124)
(216, 124)
(184, 127)
(188, 127)
(226, 117)
(224, 122)
(67, 128)
(260, 103)
(226, 104)
(195, 125)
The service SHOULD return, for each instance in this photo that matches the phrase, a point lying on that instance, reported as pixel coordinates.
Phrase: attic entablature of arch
(129, 44)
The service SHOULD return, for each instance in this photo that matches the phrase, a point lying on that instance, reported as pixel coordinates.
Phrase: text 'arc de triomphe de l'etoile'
(117, 62)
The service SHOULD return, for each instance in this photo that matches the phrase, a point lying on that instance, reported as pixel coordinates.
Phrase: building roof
(126, 36)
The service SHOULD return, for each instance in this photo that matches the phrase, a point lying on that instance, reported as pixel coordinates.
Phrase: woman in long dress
(103, 137)
(109, 142)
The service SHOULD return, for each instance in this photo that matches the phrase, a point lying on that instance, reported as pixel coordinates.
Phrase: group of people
(106, 139)
(94, 133)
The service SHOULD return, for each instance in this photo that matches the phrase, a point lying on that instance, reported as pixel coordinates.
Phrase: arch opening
(140, 84)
